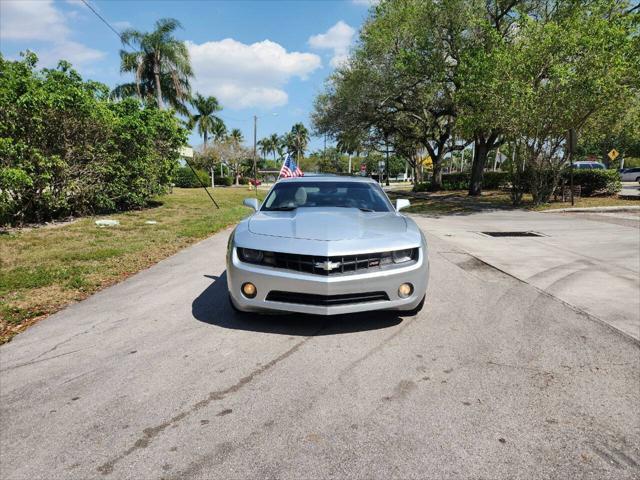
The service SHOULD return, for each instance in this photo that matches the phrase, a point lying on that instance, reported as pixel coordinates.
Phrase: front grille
(325, 300)
(332, 265)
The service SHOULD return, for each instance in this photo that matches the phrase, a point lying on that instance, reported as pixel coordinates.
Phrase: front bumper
(268, 279)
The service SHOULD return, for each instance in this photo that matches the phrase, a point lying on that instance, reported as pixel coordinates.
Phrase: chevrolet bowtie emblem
(328, 265)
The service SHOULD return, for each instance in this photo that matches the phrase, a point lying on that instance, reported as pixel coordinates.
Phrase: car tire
(416, 310)
(638, 179)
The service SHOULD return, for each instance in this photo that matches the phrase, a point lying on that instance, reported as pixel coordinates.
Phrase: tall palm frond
(205, 119)
(236, 136)
(161, 66)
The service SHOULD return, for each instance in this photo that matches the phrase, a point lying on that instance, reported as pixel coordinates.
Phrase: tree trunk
(480, 153)
(205, 141)
(436, 180)
(156, 74)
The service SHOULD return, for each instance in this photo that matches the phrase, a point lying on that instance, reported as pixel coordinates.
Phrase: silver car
(327, 245)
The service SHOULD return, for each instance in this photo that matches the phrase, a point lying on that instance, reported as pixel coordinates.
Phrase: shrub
(595, 182)
(455, 181)
(185, 178)
(224, 181)
(421, 187)
(495, 180)
(67, 149)
(244, 181)
(460, 181)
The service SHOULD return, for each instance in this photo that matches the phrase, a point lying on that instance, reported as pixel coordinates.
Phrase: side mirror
(251, 203)
(402, 203)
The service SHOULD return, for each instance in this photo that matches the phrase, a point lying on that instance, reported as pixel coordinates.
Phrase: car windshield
(367, 197)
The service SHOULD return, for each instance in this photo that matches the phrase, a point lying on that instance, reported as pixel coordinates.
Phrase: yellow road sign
(613, 154)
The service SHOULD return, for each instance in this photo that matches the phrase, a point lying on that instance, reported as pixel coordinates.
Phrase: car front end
(327, 247)
(314, 282)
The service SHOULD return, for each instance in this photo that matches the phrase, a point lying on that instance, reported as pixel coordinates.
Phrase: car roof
(327, 178)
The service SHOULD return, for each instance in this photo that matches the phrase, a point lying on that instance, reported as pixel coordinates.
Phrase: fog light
(249, 290)
(405, 290)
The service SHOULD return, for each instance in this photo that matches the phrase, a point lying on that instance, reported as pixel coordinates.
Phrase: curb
(631, 208)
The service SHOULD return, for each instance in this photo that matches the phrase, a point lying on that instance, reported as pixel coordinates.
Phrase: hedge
(67, 149)
(595, 182)
(185, 178)
(224, 181)
(460, 181)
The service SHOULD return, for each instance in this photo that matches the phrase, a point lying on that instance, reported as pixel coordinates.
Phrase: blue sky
(257, 57)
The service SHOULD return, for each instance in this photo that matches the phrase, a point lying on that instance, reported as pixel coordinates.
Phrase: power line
(104, 20)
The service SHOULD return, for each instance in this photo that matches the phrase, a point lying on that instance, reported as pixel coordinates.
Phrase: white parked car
(630, 174)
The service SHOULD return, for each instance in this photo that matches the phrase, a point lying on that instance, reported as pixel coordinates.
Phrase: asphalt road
(156, 378)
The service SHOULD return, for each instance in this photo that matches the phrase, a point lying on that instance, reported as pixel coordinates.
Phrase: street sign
(613, 154)
(186, 152)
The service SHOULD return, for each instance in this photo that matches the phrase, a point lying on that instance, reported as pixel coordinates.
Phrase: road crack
(150, 433)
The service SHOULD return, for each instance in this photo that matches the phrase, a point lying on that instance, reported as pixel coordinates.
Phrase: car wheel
(638, 179)
(415, 311)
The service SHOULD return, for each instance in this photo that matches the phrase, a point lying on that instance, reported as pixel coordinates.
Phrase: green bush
(224, 181)
(244, 181)
(460, 181)
(495, 180)
(455, 181)
(67, 149)
(595, 182)
(421, 187)
(185, 178)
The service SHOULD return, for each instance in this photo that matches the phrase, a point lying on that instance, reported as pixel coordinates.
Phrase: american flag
(290, 168)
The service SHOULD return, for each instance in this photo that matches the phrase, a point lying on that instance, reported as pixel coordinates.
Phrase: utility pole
(573, 140)
(255, 159)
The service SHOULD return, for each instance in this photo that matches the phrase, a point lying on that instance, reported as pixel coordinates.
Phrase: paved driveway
(156, 378)
(591, 260)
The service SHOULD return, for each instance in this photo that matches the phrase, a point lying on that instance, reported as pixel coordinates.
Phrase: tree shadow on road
(212, 307)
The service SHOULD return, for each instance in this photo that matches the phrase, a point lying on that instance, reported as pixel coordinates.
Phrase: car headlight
(250, 256)
(401, 256)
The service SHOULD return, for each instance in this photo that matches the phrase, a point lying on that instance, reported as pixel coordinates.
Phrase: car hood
(327, 224)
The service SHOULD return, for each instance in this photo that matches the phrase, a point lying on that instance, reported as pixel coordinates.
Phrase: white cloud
(74, 52)
(122, 25)
(366, 3)
(41, 21)
(24, 20)
(338, 38)
(242, 75)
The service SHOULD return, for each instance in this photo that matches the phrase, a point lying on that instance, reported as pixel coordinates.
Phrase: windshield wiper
(281, 209)
(362, 209)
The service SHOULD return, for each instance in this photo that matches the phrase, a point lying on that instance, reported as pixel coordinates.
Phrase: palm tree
(349, 143)
(204, 119)
(161, 66)
(299, 139)
(219, 131)
(275, 144)
(282, 145)
(236, 136)
(265, 146)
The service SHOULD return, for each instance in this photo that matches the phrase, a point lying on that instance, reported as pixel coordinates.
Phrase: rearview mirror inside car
(251, 203)
(402, 203)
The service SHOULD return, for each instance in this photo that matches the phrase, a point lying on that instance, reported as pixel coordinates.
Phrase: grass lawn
(44, 269)
(457, 201)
